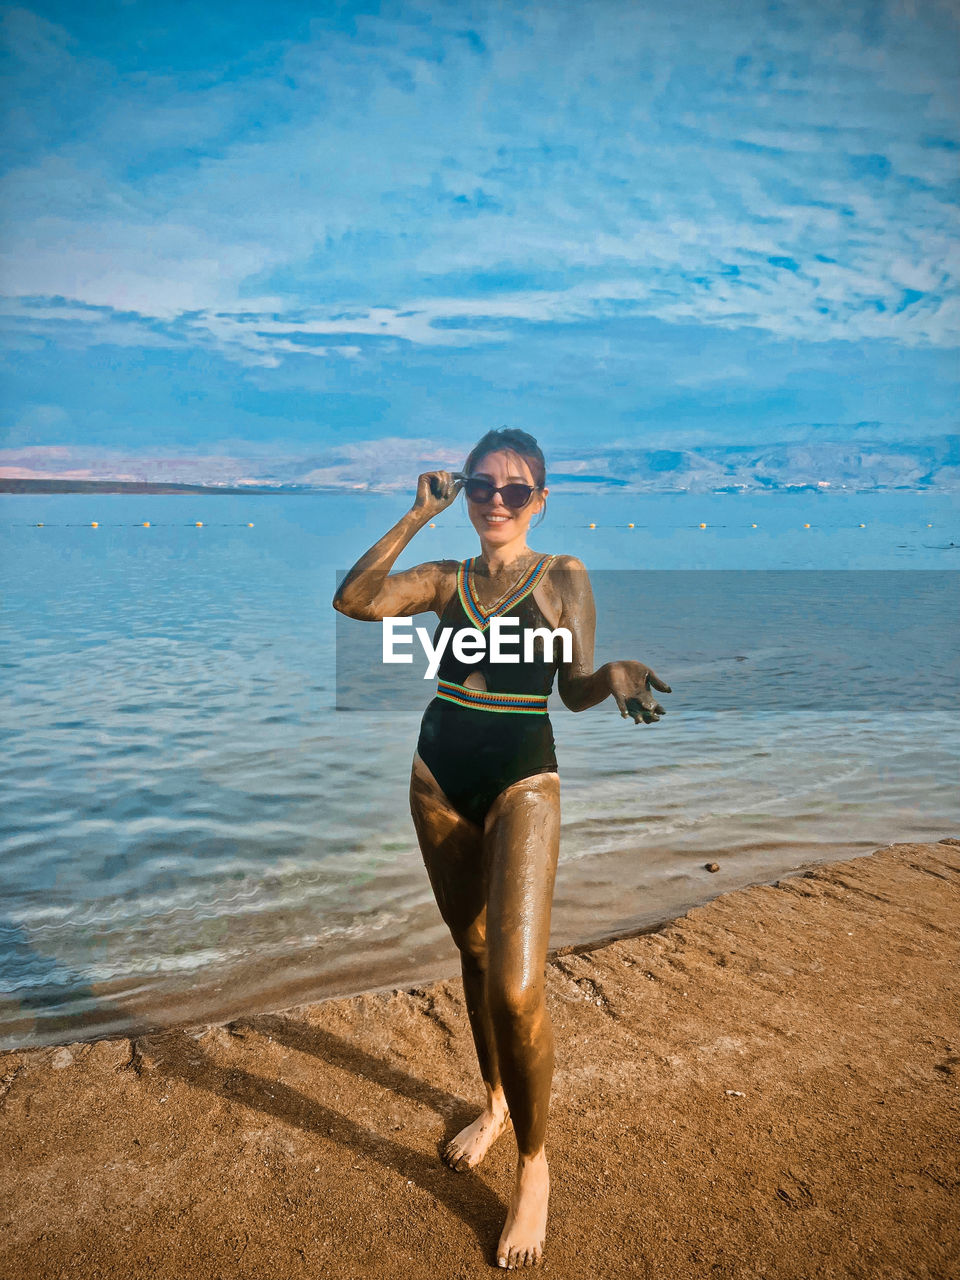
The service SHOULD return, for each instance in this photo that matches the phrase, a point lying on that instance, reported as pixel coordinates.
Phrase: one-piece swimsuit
(476, 742)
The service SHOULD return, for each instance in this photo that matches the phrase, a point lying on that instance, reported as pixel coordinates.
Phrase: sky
(338, 242)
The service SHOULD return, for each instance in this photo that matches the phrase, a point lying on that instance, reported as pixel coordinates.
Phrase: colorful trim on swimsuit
(471, 604)
(531, 704)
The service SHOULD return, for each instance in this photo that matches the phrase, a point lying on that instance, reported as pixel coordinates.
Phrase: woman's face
(494, 521)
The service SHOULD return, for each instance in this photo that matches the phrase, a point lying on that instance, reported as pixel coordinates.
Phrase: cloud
(677, 222)
(348, 183)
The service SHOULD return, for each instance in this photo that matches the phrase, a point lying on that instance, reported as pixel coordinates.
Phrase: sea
(205, 816)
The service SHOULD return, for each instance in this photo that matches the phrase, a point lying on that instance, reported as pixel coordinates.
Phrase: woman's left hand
(630, 684)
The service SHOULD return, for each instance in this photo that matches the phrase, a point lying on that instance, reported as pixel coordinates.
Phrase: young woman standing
(484, 787)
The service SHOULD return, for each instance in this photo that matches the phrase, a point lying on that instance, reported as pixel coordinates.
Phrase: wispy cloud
(451, 179)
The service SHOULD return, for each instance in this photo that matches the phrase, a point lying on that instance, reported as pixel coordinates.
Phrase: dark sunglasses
(514, 496)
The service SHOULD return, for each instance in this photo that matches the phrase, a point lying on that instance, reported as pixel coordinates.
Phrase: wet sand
(766, 1087)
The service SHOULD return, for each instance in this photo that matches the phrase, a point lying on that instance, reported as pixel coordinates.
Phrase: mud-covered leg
(453, 853)
(522, 841)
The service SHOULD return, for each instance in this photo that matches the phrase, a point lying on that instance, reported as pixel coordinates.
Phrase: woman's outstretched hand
(630, 684)
(435, 491)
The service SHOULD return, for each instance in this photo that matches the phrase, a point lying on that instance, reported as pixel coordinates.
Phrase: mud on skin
(493, 878)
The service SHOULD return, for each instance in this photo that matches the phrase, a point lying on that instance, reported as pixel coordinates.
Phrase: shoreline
(766, 1085)
(292, 980)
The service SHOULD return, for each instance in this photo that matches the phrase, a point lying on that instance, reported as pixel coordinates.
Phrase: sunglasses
(515, 496)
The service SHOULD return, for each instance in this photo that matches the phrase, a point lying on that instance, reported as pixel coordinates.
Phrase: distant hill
(814, 464)
(860, 463)
(144, 486)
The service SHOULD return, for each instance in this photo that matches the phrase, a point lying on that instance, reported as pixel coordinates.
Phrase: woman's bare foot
(521, 1244)
(471, 1144)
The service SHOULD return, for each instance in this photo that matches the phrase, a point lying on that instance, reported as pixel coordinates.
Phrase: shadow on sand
(178, 1056)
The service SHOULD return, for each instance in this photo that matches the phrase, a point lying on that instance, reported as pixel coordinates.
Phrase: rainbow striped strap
(472, 606)
(528, 704)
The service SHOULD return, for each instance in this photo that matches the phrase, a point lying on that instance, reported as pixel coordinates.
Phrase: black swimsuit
(472, 753)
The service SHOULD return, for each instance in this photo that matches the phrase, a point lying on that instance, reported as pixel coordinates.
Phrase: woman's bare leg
(453, 852)
(522, 841)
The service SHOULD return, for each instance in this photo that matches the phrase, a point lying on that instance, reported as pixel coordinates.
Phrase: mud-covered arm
(578, 684)
(370, 591)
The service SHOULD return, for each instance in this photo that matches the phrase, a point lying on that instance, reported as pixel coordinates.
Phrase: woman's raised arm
(578, 684)
(370, 592)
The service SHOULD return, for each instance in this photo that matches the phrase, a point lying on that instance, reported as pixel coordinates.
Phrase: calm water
(193, 831)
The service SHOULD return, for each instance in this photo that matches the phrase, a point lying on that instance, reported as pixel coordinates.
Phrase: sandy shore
(767, 1087)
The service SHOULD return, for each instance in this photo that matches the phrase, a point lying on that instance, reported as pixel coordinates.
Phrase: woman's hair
(515, 441)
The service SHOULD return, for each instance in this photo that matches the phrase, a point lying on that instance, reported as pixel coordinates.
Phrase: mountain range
(392, 465)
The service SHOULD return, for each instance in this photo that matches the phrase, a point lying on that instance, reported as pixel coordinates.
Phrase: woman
(484, 787)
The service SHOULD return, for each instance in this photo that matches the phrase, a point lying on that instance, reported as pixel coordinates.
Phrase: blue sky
(237, 234)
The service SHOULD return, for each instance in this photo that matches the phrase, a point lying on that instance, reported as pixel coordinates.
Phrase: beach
(766, 1086)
